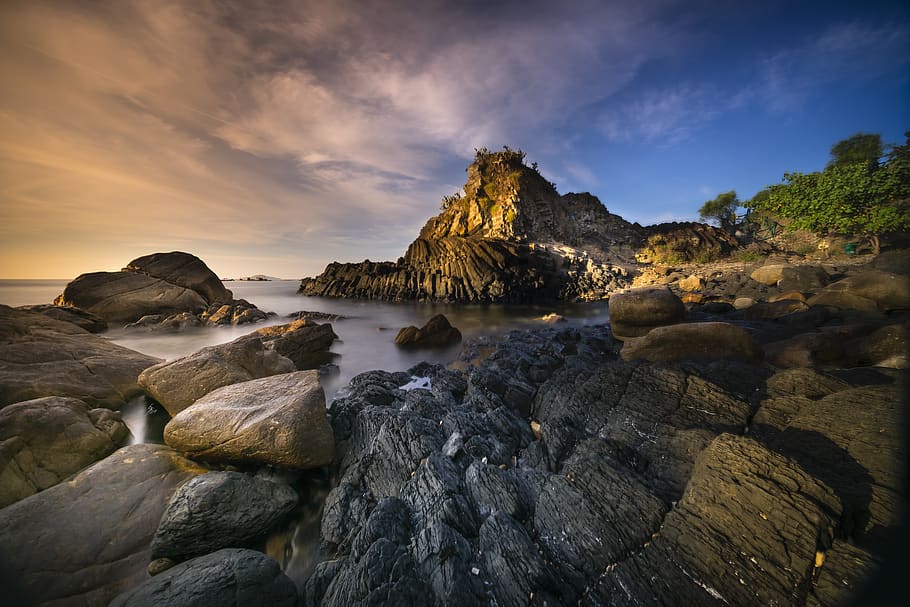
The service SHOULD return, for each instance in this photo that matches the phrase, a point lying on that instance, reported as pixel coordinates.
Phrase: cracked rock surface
(554, 472)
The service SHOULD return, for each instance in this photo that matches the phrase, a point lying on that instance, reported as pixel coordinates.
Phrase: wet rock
(179, 383)
(220, 510)
(236, 577)
(304, 342)
(278, 420)
(40, 356)
(436, 333)
(45, 440)
(86, 540)
(635, 312)
(79, 317)
(703, 340)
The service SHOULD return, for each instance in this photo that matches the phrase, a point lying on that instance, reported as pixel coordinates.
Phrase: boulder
(40, 356)
(79, 317)
(235, 577)
(124, 297)
(304, 342)
(868, 291)
(84, 541)
(702, 340)
(635, 312)
(239, 312)
(45, 440)
(278, 420)
(220, 510)
(769, 274)
(184, 270)
(436, 333)
(179, 383)
(691, 283)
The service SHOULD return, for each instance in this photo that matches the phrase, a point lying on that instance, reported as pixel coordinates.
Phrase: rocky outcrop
(868, 291)
(236, 577)
(45, 440)
(40, 356)
(673, 243)
(79, 317)
(304, 342)
(177, 384)
(436, 333)
(555, 472)
(173, 286)
(85, 541)
(635, 312)
(220, 510)
(511, 238)
(278, 420)
(123, 297)
(184, 270)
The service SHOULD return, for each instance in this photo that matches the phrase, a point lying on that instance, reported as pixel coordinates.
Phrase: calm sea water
(366, 333)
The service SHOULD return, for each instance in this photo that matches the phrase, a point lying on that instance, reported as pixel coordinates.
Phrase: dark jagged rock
(45, 440)
(220, 510)
(555, 472)
(436, 333)
(79, 317)
(236, 577)
(40, 356)
(86, 540)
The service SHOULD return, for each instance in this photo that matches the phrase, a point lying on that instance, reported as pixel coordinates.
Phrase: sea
(366, 341)
(366, 332)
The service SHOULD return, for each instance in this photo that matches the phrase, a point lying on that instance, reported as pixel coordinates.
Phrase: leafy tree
(862, 147)
(853, 198)
(722, 209)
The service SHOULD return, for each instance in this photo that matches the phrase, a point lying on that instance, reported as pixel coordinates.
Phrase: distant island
(254, 278)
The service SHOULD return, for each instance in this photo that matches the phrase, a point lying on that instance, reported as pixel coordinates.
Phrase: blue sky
(278, 138)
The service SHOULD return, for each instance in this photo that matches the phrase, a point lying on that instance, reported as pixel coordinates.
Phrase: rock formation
(510, 238)
(40, 356)
(159, 290)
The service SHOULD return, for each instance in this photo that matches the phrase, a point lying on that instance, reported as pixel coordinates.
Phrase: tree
(851, 198)
(862, 147)
(722, 209)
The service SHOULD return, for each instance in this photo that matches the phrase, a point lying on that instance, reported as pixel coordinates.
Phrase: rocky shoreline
(735, 436)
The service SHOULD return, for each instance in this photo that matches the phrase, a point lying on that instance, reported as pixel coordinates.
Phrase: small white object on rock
(417, 383)
(475, 571)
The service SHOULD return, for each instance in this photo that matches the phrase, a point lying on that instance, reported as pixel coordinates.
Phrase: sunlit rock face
(510, 238)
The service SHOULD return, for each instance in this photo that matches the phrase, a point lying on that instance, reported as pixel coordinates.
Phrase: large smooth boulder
(45, 440)
(229, 577)
(220, 510)
(635, 312)
(278, 420)
(871, 290)
(304, 342)
(177, 384)
(123, 297)
(84, 541)
(184, 270)
(702, 340)
(79, 317)
(436, 333)
(40, 356)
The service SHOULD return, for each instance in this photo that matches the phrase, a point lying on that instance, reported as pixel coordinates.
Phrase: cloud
(847, 53)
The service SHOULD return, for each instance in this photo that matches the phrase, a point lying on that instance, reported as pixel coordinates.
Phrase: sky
(275, 137)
